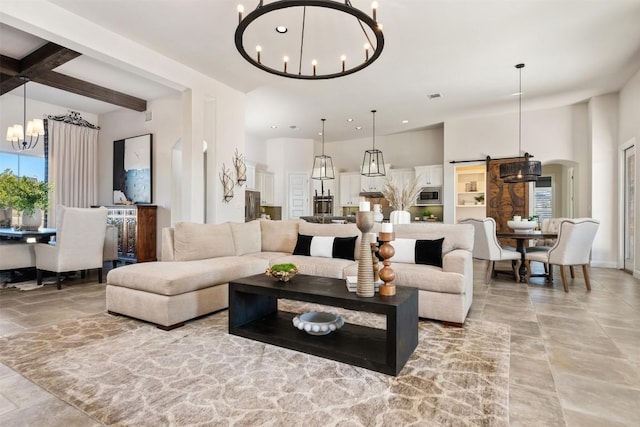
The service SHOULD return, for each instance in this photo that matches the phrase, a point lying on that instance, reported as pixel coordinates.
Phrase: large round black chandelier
(302, 29)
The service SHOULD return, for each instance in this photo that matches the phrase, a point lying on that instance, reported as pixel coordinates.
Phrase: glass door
(629, 204)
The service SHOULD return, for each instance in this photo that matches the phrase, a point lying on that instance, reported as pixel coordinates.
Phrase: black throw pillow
(429, 252)
(344, 247)
(303, 245)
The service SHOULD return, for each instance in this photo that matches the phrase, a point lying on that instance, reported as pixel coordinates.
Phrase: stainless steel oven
(429, 196)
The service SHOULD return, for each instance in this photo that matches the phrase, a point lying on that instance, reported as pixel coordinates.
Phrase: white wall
(165, 129)
(403, 150)
(629, 131)
(603, 117)
(550, 135)
(286, 155)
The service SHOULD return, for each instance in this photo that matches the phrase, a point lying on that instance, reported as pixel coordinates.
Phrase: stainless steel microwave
(429, 196)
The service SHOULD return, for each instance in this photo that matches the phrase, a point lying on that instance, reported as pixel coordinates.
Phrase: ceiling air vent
(434, 95)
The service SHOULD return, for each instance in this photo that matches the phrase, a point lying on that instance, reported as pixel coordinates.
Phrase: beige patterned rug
(124, 372)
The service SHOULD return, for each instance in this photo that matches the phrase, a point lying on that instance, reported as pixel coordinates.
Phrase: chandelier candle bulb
(374, 7)
(314, 63)
(366, 51)
(258, 50)
(364, 206)
(285, 60)
(343, 59)
(240, 11)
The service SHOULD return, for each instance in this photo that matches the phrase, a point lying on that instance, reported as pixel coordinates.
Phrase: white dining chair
(80, 239)
(572, 248)
(486, 247)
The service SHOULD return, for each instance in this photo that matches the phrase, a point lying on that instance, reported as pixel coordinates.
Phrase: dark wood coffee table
(254, 314)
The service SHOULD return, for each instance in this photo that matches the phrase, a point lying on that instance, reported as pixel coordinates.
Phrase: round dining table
(521, 237)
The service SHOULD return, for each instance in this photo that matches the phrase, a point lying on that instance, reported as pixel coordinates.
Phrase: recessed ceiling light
(319, 133)
(349, 119)
(281, 29)
(358, 127)
(435, 95)
(274, 126)
(404, 122)
(293, 127)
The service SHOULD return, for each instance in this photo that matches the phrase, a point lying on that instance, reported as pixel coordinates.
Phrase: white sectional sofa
(198, 261)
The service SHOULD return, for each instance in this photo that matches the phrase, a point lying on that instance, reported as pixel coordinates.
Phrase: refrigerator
(251, 205)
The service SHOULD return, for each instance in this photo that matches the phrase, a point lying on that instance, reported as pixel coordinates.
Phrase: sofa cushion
(326, 246)
(316, 266)
(279, 236)
(246, 237)
(201, 241)
(333, 230)
(428, 278)
(174, 278)
(456, 236)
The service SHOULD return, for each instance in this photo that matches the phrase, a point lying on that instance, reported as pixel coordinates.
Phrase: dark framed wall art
(132, 170)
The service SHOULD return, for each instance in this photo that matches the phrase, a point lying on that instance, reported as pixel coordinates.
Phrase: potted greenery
(426, 214)
(479, 199)
(27, 196)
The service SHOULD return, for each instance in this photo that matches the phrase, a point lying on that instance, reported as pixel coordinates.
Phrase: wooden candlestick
(387, 275)
(374, 250)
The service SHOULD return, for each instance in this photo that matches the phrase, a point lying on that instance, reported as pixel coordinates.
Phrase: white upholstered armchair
(80, 239)
(487, 247)
(573, 247)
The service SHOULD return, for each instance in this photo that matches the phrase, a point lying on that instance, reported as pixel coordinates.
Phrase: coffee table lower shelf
(353, 344)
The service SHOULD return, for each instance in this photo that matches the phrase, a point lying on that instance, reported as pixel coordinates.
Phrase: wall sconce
(227, 184)
(241, 168)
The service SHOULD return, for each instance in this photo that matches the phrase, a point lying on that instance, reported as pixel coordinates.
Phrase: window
(543, 198)
(23, 165)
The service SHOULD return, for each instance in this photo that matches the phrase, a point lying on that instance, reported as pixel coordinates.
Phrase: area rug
(124, 372)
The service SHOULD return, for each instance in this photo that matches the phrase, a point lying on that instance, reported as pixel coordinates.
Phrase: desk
(520, 239)
(42, 235)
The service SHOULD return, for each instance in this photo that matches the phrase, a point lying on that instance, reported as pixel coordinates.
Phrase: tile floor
(575, 358)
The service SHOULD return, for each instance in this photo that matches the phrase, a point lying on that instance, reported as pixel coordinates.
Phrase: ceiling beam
(90, 90)
(38, 66)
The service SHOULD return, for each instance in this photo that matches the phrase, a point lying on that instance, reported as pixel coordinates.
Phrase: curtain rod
(486, 159)
(73, 118)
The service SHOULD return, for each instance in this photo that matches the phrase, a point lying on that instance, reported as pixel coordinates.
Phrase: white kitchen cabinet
(430, 175)
(251, 176)
(349, 188)
(402, 177)
(265, 184)
(374, 183)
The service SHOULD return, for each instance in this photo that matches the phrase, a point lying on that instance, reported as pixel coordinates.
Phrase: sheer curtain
(73, 166)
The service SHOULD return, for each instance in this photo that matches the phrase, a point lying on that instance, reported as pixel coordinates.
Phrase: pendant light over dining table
(520, 170)
(373, 161)
(323, 164)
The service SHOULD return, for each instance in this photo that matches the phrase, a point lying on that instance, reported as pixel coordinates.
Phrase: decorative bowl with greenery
(282, 272)
(23, 194)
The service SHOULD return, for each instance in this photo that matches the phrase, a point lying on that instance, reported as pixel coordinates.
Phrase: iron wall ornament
(241, 168)
(312, 74)
(73, 118)
(520, 170)
(227, 184)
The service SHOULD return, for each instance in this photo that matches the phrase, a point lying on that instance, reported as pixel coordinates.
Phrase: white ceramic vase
(31, 222)
(400, 217)
(377, 213)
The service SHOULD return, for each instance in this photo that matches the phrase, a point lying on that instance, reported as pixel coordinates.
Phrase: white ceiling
(464, 50)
